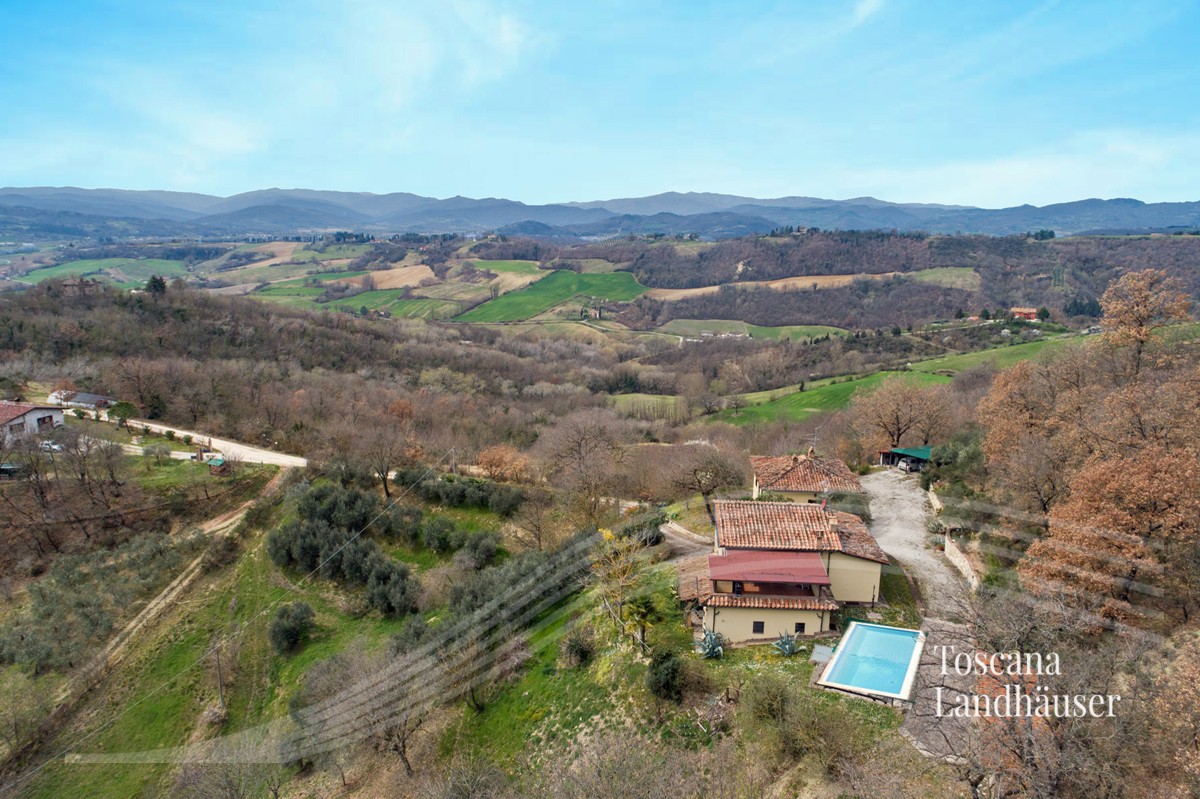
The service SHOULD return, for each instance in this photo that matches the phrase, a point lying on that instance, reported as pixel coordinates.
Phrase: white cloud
(1109, 163)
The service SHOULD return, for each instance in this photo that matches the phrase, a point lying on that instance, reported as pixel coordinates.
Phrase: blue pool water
(875, 659)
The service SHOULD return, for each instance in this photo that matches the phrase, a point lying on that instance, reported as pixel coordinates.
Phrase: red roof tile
(794, 526)
(857, 539)
(804, 473)
(759, 566)
(769, 602)
(774, 525)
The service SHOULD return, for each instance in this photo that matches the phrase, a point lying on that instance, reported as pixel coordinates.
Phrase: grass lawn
(119, 434)
(800, 405)
(556, 288)
(901, 610)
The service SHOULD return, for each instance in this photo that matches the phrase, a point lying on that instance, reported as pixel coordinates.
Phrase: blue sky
(978, 103)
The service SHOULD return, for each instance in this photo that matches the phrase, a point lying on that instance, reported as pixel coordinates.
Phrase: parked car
(50, 446)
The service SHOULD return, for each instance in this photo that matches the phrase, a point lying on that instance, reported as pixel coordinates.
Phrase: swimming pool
(875, 660)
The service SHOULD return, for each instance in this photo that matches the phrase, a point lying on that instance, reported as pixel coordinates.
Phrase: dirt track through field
(102, 664)
(802, 282)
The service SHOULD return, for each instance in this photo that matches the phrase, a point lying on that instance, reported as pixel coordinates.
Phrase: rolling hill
(49, 213)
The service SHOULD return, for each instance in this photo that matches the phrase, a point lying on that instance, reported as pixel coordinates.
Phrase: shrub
(480, 550)
(787, 645)
(222, 550)
(389, 589)
(290, 626)
(259, 513)
(646, 528)
(170, 434)
(457, 492)
(578, 647)
(503, 463)
(711, 645)
(664, 679)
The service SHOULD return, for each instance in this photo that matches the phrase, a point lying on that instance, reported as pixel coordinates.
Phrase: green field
(331, 253)
(799, 405)
(556, 288)
(137, 270)
(294, 295)
(694, 327)
(392, 300)
(951, 277)
(514, 267)
(1000, 357)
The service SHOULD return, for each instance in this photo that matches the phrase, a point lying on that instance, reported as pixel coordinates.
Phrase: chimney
(812, 452)
(795, 459)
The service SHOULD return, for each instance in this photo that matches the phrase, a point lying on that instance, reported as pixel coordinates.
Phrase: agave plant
(787, 645)
(711, 645)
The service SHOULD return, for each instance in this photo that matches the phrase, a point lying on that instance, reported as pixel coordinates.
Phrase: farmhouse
(80, 399)
(804, 478)
(1028, 314)
(19, 419)
(783, 567)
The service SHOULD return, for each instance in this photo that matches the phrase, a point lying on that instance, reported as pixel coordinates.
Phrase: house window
(738, 587)
(760, 627)
(19, 427)
(799, 628)
(45, 421)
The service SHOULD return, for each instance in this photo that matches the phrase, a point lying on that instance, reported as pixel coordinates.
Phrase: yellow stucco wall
(737, 624)
(853, 579)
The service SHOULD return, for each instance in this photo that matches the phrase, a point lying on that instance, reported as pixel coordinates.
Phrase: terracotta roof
(857, 539)
(13, 410)
(769, 602)
(758, 566)
(804, 473)
(774, 525)
(794, 526)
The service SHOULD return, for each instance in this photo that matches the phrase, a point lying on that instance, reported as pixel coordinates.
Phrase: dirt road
(232, 449)
(684, 543)
(900, 511)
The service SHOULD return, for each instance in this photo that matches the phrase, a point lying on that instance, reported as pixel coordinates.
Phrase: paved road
(900, 511)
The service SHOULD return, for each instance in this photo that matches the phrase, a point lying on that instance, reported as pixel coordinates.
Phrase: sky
(977, 103)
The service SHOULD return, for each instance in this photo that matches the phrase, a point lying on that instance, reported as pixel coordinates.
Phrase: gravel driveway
(900, 511)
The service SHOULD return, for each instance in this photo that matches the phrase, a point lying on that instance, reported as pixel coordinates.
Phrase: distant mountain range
(54, 213)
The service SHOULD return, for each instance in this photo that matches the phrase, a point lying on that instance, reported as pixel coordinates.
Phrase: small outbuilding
(911, 459)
